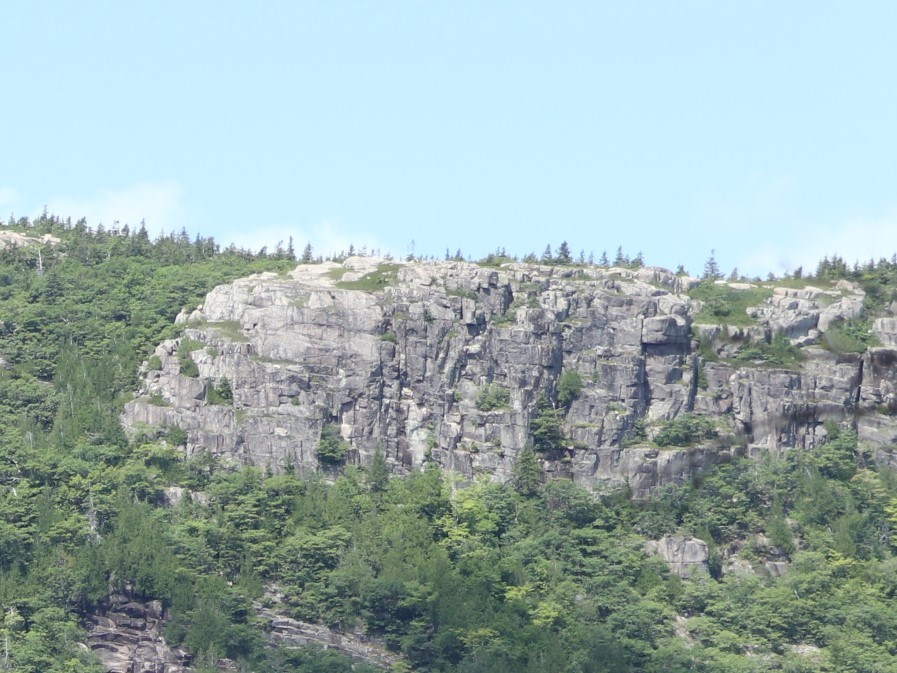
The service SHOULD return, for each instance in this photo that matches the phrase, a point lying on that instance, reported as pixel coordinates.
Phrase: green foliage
(878, 279)
(725, 305)
(156, 399)
(337, 274)
(332, 448)
(187, 363)
(378, 473)
(230, 329)
(462, 292)
(507, 318)
(711, 268)
(777, 353)
(706, 349)
(453, 576)
(496, 259)
(569, 388)
(835, 457)
(686, 430)
(492, 397)
(389, 337)
(546, 427)
(382, 277)
(850, 336)
(220, 393)
(176, 436)
(701, 373)
(780, 533)
(527, 475)
(77, 502)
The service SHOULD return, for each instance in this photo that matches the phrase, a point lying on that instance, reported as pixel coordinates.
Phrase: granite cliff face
(448, 362)
(127, 636)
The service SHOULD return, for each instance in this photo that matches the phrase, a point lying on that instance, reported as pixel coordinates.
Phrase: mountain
(224, 460)
(459, 364)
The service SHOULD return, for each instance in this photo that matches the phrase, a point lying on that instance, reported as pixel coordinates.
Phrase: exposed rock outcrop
(685, 556)
(286, 632)
(397, 356)
(127, 638)
(13, 239)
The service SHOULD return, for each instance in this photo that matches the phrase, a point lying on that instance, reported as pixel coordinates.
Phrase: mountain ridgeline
(219, 460)
(614, 377)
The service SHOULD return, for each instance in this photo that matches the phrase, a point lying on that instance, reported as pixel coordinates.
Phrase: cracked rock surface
(396, 356)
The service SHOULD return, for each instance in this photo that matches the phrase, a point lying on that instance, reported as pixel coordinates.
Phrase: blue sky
(764, 130)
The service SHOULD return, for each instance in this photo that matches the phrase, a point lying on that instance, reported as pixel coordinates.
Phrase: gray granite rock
(401, 369)
(685, 556)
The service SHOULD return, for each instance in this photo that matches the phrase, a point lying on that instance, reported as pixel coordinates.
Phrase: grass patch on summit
(384, 276)
(726, 305)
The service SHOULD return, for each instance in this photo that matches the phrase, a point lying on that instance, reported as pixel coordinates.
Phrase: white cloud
(326, 238)
(159, 204)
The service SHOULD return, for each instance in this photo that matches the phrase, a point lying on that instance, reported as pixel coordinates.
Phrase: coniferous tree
(378, 472)
(564, 256)
(711, 268)
(526, 475)
(621, 259)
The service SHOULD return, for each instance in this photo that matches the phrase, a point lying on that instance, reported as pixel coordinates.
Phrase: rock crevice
(400, 365)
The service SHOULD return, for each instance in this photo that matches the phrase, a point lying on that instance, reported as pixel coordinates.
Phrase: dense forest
(470, 577)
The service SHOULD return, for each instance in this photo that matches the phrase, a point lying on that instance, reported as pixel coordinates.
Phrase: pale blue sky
(765, 130)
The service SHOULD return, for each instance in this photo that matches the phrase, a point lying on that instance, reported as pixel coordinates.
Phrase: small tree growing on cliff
(546, 427)
(332, 449)
(526, 476)
(569, 388)
(378, 473)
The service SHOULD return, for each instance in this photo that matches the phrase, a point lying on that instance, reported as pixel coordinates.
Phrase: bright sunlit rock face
(398, 356)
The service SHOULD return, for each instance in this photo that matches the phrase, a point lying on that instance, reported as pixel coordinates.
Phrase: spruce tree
(526, 475)
(564, 256)
(711, 268)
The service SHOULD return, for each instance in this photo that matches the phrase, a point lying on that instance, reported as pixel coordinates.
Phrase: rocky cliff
(127, 636)
(452, 362)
